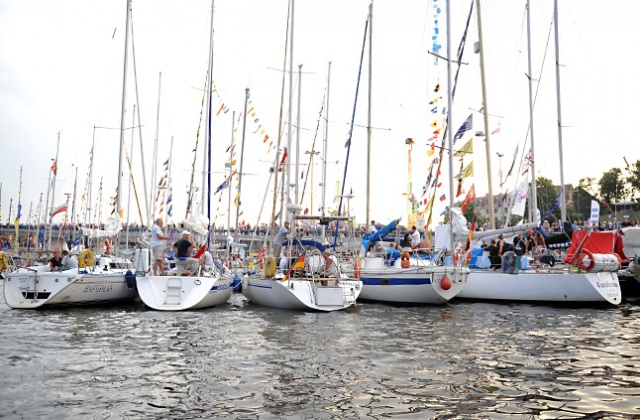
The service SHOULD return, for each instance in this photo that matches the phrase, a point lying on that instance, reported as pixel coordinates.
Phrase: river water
(461, 360)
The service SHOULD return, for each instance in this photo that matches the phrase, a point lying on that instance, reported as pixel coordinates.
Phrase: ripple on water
(461, 360)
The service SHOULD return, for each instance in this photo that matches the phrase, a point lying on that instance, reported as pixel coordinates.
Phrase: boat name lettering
(97, 288)
(606, 284)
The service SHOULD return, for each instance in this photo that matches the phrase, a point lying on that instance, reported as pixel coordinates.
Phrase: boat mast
(122, 113)
(298, 134)
(368, 217)
(230, 163)
(206, 186)
(244, 128)
(324, 152)
(154, 167)
(288, 163)
(450, 119)
(133, 123)
(485, 112)
(563, 198)
(53, 190)
(534, 198)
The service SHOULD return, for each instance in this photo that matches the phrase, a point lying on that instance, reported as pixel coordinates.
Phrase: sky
(61, 77)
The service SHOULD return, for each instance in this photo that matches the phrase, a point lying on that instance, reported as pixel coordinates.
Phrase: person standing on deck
(157, 247)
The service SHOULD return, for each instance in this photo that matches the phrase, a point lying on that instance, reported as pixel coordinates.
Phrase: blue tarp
(379, 235)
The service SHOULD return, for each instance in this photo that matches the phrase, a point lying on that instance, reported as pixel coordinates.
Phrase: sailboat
(306, 283)
(96, 280)
(198, 288)
(394, 277)
(588, 277)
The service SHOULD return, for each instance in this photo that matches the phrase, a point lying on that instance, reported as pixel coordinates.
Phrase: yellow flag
(467, 148)
(466, 172)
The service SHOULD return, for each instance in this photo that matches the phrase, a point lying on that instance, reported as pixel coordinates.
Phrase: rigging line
(313, 148)
(280, 124)
(353, 116)
(144, 173)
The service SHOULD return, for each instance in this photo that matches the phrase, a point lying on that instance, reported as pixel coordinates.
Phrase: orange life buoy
(356, 270)
(585, 253)
(404, 260)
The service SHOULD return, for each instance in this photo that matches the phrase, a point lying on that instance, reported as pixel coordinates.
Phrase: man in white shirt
(372, 228)
(157, 247)
(415, 237)
(279, 239)
(331, 263)
(69, 261)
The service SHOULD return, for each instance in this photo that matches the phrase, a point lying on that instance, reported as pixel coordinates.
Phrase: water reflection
(461, 360)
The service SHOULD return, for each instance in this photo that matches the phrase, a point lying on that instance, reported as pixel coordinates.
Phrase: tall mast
(563, 198)
(122, 110)
(450, 117)
(485, 112)
(534, 198)
(53, 189)
(130, 173)
(244, 127)
(369, 114)
(233, 120)
(206, 184)
(298, 132)
(154, 166)
(73, 205)
(326, 136)
(288, 166)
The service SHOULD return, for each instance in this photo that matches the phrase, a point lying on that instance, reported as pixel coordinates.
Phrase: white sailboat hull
(419, 284)
(543, 286)
(179, 293)
(37, 287)
(301, 294)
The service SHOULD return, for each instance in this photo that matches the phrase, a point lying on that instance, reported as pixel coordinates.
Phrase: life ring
(404, 260)
(4, 261)
(586, 253)
(86, 258)
(356, 270)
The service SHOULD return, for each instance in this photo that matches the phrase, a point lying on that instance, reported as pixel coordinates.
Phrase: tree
(612, 186)
(581, 203)
(546, 193)
(588, 185)
(634, 177)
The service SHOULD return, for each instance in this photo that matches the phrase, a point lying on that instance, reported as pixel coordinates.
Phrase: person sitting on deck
(55, 263)
(183, 248)
(69, 261)
(424, 246)
(331, 264)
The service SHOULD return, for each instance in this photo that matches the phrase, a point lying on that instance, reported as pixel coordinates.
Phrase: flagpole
(53, 190)
(73, 205)
(450, 118)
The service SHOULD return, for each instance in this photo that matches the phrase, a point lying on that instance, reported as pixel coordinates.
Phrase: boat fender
(357, 269)
(619, 260)
(404, 260)
(586, 255)
(445, 283)
(130, 277)
(270, 266)
(86, 258)
(509, 262)
(4, 261)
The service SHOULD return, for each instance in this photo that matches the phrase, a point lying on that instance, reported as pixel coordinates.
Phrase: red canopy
(607, 242)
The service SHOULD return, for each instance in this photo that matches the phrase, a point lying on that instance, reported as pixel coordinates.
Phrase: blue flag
(466, 126)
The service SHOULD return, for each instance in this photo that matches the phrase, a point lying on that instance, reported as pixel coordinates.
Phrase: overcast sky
(61, 71)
